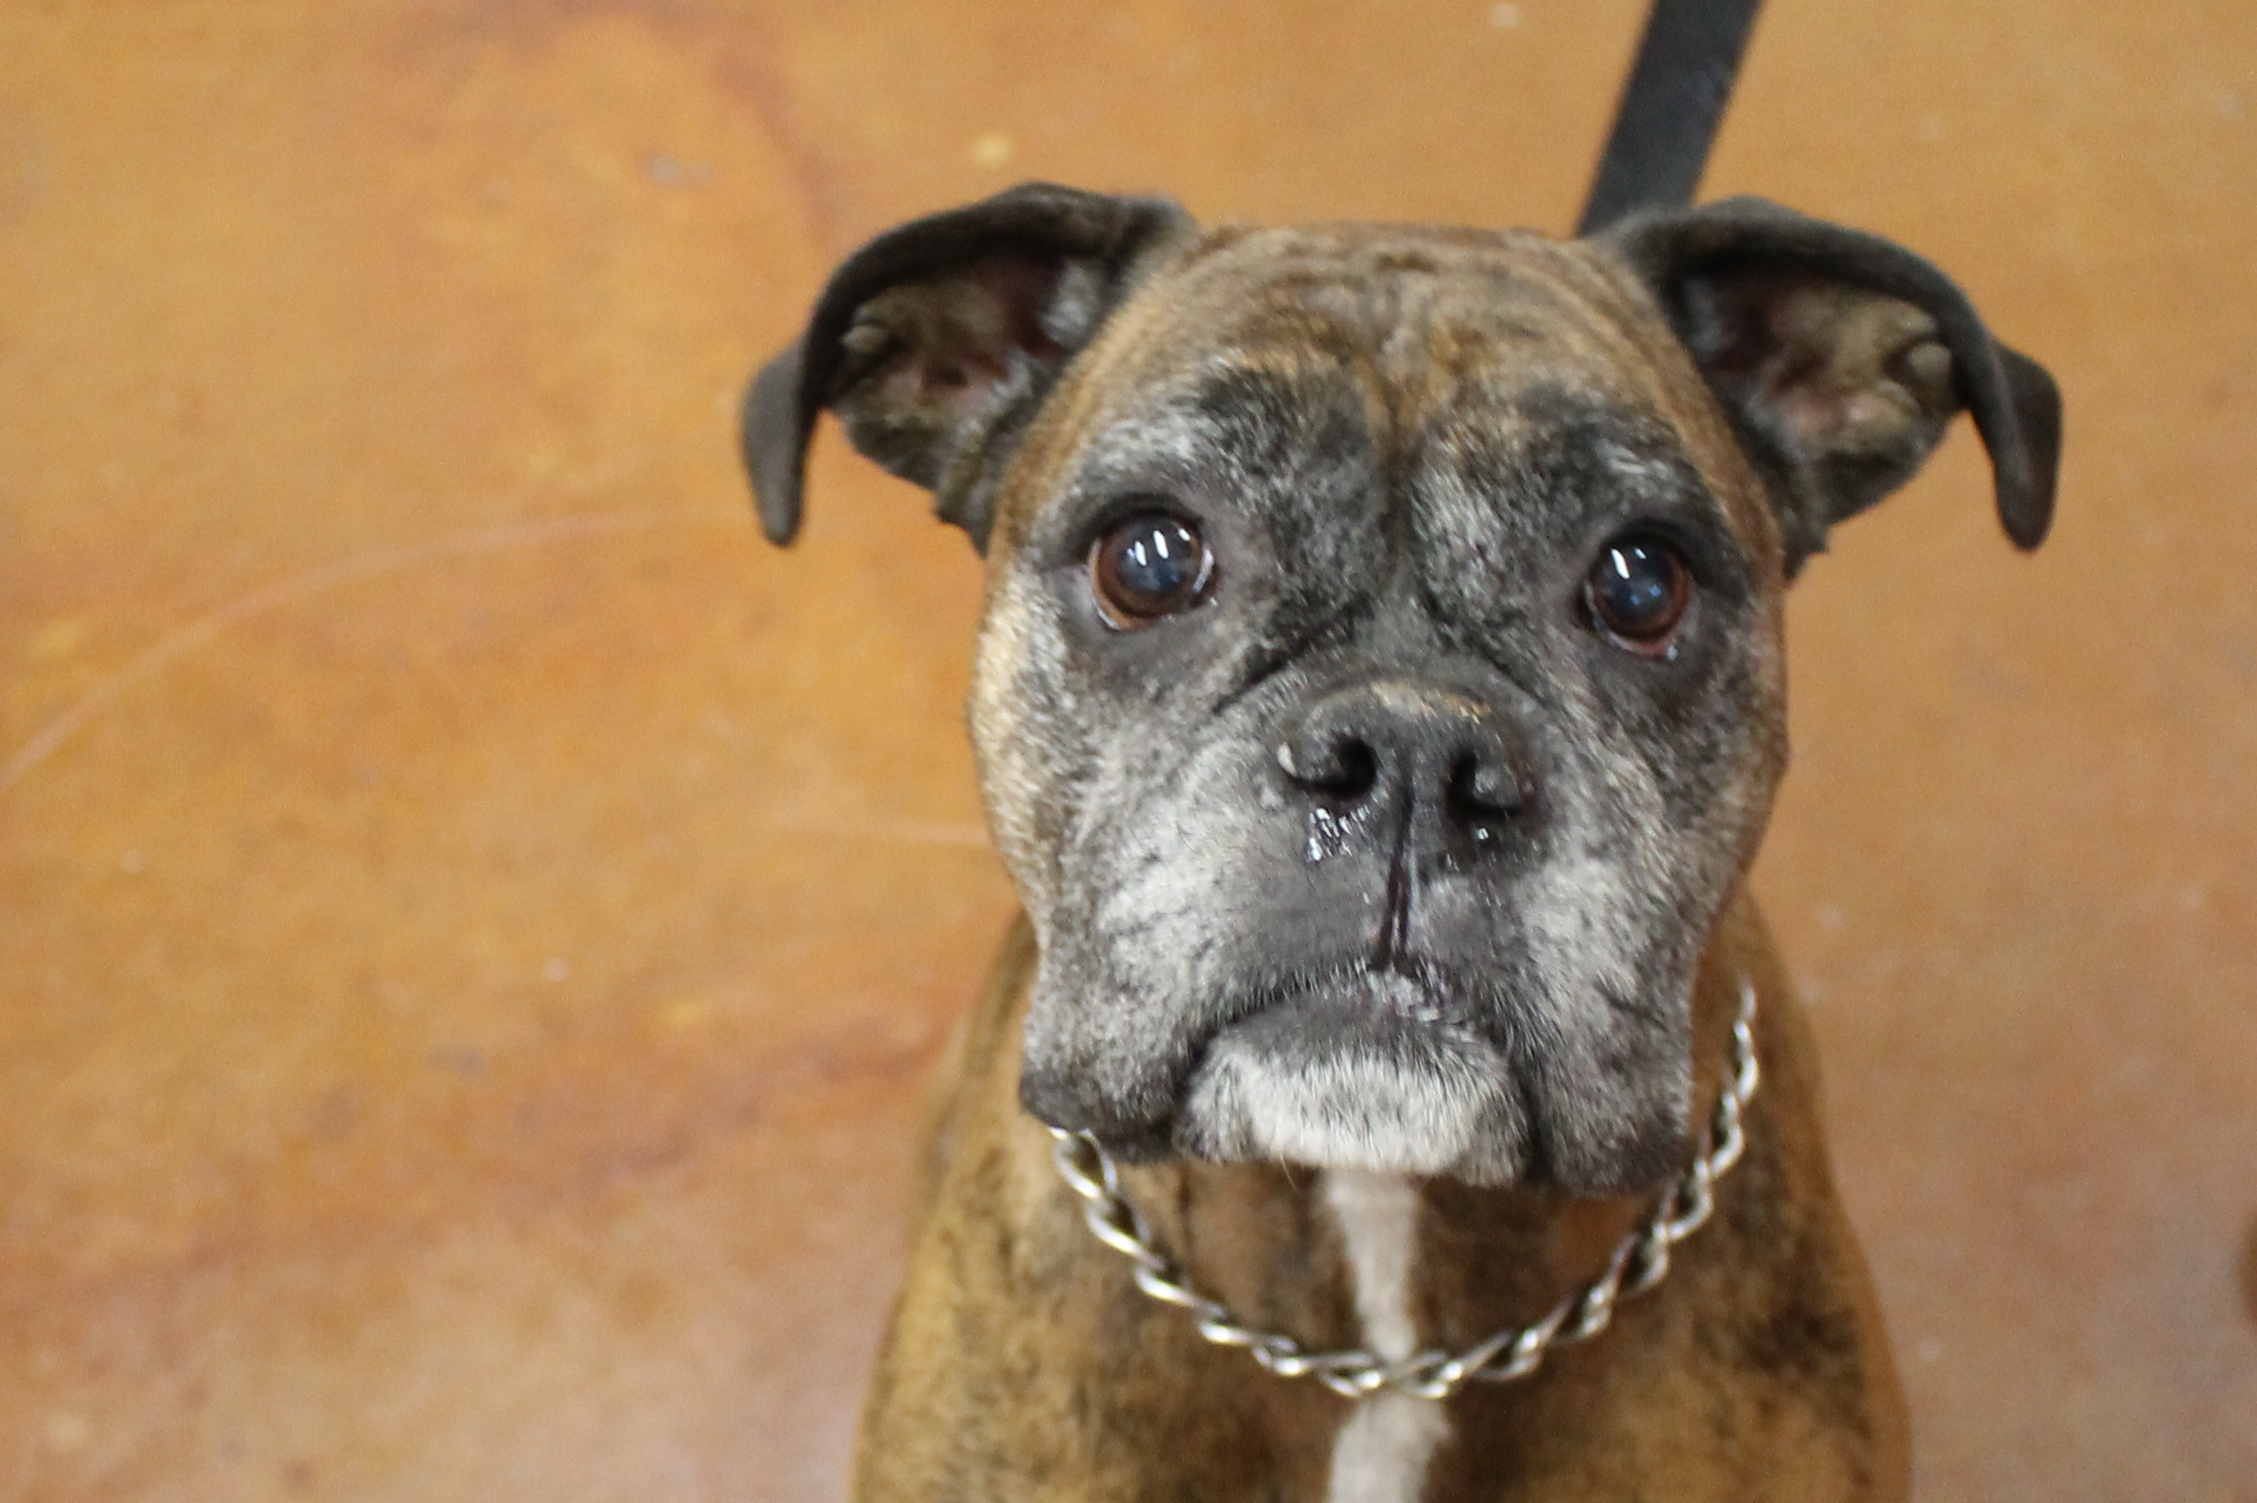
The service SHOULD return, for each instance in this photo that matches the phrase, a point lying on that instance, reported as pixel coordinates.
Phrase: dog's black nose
(1422, 749)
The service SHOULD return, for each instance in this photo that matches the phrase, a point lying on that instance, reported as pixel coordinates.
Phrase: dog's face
(1353, 831)
(1380, 689)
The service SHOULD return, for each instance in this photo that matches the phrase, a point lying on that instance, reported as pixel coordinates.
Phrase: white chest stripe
(1382, 1453)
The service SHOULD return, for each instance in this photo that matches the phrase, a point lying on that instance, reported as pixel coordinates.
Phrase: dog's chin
(1333, 1085)
(1333, 1082)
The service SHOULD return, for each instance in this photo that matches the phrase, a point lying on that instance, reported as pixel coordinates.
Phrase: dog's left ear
(936, 342)
(1842, 358)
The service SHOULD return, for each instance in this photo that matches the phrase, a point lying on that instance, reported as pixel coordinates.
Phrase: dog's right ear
(936, 343)
(1842, 357)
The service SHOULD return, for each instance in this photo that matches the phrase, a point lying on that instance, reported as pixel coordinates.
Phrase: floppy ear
(1842, 358)
(936, 342)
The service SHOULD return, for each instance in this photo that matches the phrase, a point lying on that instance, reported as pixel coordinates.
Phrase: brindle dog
(1379, 701)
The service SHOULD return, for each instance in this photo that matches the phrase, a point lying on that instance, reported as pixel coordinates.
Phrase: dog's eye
(1151, 565)
(1637, 592)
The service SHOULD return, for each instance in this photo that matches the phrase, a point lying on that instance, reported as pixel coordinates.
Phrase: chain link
(1640, 1261)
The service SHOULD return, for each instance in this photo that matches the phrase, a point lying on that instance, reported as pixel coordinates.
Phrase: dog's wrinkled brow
(1308, 418)
(1501, 468)
(1561, 452)
(1251, 398)
(1239, 425)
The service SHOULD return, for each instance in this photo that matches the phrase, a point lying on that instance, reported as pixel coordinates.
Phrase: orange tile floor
(472, 919)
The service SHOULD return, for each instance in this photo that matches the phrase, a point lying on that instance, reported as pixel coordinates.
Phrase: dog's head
(1380, 689)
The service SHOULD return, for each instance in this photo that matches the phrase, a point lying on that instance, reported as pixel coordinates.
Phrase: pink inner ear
(1820, 413)
(1792, 341)
(1750, 316)
(1020, 289)
(963, 327)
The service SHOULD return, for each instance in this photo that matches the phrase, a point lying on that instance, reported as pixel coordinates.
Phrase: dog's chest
(1385, 1448)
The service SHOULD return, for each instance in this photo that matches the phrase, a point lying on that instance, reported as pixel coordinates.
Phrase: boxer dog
(1379, 700)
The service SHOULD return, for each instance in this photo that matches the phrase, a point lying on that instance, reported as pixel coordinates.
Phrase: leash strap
(1670, 108)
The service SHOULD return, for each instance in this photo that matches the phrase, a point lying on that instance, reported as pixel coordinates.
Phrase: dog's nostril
(1484, 788)
(1343, 767)
(1357, 769)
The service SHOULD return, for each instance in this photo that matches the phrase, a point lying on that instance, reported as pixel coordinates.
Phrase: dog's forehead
(1414, 318)
(1415, 330)
(1402, 304)
(1420, 328)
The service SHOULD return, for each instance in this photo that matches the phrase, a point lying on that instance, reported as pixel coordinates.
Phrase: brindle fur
(1022, 1363)
(1407, 443)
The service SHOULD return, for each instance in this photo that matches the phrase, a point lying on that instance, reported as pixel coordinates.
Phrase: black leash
(1670, 108)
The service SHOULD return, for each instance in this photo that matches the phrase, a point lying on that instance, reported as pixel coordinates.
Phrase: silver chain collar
(1640, 1260)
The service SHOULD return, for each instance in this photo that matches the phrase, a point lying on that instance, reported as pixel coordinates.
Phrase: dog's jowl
(1379, 702)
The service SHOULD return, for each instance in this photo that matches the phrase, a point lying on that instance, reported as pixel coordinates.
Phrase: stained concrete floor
(472, 919)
